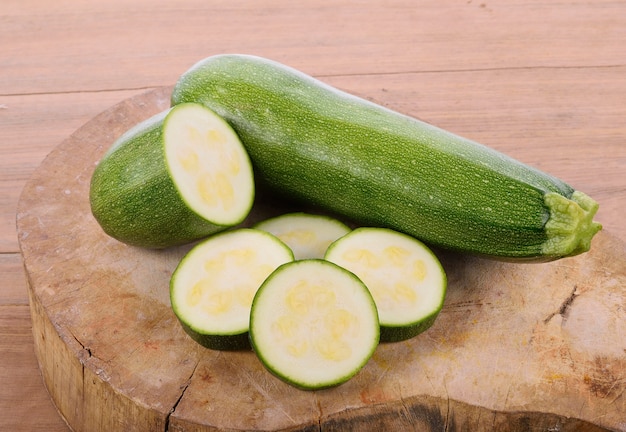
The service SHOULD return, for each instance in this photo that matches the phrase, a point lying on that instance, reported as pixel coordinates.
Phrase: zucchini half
(177, 177)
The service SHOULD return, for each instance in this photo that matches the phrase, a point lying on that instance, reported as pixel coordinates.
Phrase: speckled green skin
(319, 145)
(234, 342)
(132, 195)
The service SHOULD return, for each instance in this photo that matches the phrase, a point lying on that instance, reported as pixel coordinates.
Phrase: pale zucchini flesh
(175, 178)
(308, 235)
(313, 324)
(212, 288)
(406, 279)
(208, 164)
(321, 146)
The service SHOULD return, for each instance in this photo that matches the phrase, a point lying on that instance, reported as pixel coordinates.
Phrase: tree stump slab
(516, 347)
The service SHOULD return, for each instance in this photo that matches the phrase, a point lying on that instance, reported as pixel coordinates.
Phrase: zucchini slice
(212, 288)
(308, 235)
(405, 278)
(172, 179)
(313, 324)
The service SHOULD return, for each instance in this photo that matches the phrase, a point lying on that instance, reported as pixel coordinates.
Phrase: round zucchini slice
(308, 235)
(405, 278)
(313, 324)
(212, 288)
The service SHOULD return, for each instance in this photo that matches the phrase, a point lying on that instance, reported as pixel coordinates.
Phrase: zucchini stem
(570, 227)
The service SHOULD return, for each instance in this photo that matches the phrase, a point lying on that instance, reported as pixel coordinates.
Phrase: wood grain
(322, 37)
(537, 343)
(22, 388)
(32, 126)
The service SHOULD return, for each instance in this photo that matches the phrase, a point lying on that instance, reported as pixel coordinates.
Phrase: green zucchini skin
(234, 342)
(318, 145)
(133, 198)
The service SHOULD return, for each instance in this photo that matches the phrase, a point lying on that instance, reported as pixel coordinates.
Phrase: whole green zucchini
(311, 142)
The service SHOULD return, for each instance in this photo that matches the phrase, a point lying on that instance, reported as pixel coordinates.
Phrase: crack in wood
(320, 412)
(83, 348)
(82, 358)
(180, 397)
(565, 307)
(447, 419)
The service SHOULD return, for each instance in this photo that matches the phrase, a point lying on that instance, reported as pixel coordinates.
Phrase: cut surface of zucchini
(308, 235)
(313, 324)
(405, 278)
(212, 288)
(208, 163)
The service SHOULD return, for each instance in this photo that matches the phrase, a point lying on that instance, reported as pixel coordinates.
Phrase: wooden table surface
(544, 81)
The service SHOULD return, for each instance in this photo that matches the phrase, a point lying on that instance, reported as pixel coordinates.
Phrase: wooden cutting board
(517, 347)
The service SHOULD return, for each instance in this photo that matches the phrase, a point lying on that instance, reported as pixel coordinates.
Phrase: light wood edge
(75, 388)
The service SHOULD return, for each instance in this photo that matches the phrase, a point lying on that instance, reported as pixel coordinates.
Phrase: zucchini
(313, 324)
(406, 279)
(177, 177)
(212, 288)
(308, 235)
(321, 146)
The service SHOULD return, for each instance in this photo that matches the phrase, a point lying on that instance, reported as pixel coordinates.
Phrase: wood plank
(32, 125)
(23, 391)
(22, 386)
(13, 292)
(82, 46)
(35, 124)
